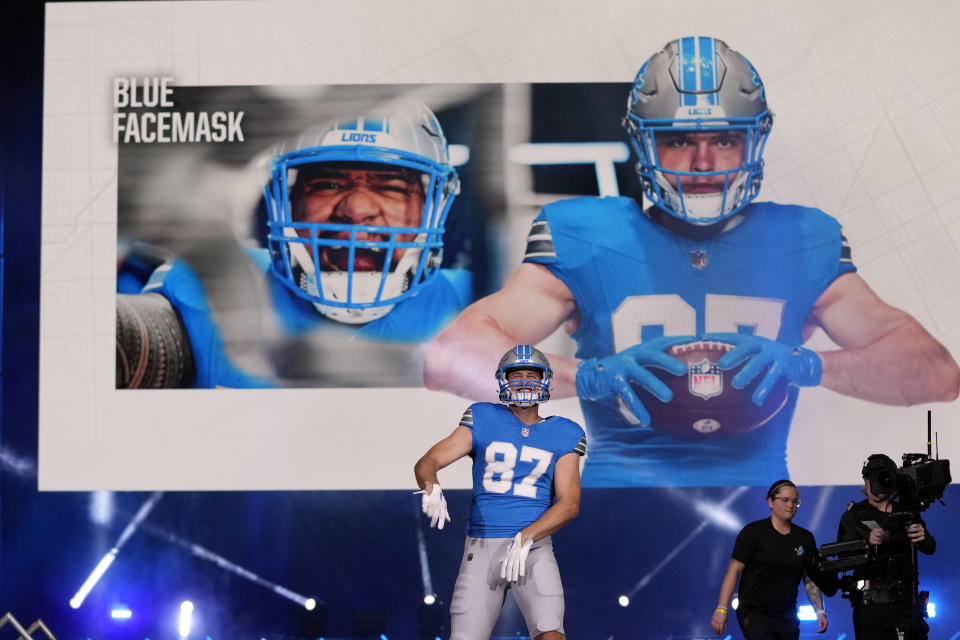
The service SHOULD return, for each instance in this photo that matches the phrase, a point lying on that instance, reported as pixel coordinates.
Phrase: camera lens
(883, 481)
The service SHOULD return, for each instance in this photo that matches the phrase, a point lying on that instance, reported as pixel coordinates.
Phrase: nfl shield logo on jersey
(525, 431)
(706, 379)
(699, 258)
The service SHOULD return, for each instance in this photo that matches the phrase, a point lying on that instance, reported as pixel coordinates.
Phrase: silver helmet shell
(524, 393)
(408, 137)
(698, 84)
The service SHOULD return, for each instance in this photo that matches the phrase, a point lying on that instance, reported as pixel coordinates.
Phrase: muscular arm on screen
(719, 620)
(447, 451)
(566, 486)
(906, 364)
(529, 307)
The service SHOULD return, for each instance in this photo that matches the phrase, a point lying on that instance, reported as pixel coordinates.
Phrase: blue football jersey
(513, 465)
(414, 319)
(634, 280)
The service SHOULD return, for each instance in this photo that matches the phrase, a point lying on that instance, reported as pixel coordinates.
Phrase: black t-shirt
(773, 568)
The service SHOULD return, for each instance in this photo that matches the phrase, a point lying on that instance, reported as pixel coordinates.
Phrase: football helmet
(376, 266)
(698, 85)
(524, 393)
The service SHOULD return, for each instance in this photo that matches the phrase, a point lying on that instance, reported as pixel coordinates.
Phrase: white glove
(514, 564)
(435, 506)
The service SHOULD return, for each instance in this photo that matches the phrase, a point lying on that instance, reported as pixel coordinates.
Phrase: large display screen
(210, 171)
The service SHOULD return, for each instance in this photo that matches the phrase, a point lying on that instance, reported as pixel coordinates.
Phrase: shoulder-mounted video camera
(911, 487)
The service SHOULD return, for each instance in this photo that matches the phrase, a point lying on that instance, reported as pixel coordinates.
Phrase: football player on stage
(526, 485)
(356, 214)
(704, 260)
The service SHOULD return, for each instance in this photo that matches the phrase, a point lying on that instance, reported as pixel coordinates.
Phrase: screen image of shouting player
(706, 269)
(355, 219)
(526, 486)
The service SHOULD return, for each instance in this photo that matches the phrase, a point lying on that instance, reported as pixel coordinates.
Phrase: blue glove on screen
(611, 377)
(800, 367)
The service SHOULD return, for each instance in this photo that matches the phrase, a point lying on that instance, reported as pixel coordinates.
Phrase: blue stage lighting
(429, 599)
(806, 612)
(121, 613)
(623, 601)
(92, 579)
(931, 609)
(111, 555)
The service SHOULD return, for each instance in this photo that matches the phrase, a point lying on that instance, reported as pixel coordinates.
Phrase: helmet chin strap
(523, 393)
(365, 284)
(702, 208)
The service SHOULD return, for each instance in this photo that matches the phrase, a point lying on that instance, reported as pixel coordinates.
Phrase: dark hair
(877, 461)
(776, 486)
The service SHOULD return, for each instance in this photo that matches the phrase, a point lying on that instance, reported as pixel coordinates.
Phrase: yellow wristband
(720, 610)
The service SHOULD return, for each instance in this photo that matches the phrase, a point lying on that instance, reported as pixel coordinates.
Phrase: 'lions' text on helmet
(697, 86)
(524, 393)
(356, 211)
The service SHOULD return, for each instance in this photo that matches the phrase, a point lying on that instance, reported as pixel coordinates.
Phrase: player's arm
(718, 622)
(449, 450)
(566, 487)
(815, 597)
(529, 307)
(886, 356)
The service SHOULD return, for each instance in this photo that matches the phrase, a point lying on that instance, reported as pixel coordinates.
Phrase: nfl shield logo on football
(699, 258)
(525, 432)
(706, 379)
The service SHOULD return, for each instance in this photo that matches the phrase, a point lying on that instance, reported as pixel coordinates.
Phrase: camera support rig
(912, 488)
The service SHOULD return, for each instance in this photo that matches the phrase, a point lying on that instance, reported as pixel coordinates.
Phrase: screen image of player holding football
(526, 486)
(706, 262)
(355, 223)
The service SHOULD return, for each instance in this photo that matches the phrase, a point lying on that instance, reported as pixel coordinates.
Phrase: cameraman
(886, 599)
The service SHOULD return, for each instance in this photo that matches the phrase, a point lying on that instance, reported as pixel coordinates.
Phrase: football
(705, 404)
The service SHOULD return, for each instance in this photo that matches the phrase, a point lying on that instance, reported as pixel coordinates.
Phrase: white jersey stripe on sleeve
(581, 447)
(540, 241)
